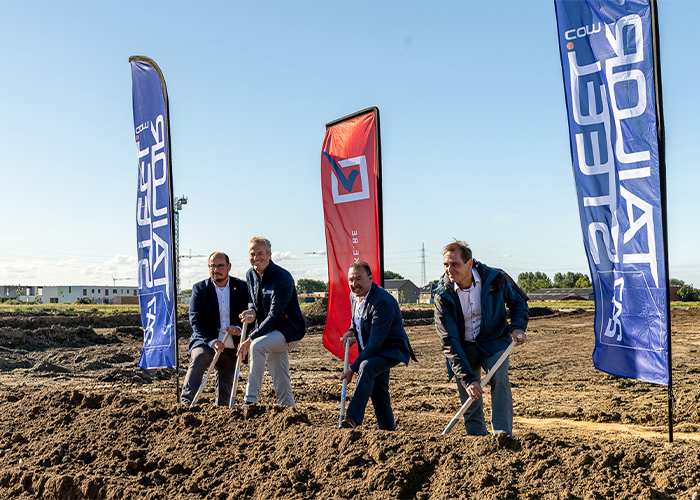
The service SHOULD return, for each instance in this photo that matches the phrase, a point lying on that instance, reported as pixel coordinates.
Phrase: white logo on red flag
(349, 181)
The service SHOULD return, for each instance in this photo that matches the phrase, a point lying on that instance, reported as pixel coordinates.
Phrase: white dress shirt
(357, 319)
(470, 299)
(223, 294)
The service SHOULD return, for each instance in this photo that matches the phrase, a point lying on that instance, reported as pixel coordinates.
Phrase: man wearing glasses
(215, 307)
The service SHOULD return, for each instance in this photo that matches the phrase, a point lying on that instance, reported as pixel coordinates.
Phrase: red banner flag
(352, 206)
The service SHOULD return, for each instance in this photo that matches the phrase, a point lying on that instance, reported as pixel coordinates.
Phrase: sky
(475, 141)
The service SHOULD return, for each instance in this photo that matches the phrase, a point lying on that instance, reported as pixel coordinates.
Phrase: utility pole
(179, 202)
(422, 264)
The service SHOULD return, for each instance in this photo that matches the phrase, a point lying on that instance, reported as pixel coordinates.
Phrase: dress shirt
(223, 294)
(357, 318)
(470, 299)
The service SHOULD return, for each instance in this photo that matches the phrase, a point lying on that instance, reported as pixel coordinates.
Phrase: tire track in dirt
(605, 430)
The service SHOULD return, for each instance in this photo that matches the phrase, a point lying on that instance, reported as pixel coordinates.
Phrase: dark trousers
(373, 381)
(225, 369)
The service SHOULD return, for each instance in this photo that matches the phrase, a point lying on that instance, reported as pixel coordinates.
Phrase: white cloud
(120, 267)
(69, 271)
(277, 255)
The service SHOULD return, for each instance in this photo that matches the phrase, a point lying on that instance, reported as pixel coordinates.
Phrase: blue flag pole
(610, 62)
(661, 137)
(155, 218)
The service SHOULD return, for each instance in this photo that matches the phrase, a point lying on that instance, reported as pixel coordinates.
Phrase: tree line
(530, 281)
(305, 285)
(687, 292)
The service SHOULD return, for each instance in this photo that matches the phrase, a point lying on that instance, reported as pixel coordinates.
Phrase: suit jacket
(382, 328)
(204, 310)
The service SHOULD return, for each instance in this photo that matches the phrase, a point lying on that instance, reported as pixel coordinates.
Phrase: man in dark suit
(215, 307)
(382, 344)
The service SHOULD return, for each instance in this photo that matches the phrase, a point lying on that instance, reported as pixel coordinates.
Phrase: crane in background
(114, 280)
(185, 256)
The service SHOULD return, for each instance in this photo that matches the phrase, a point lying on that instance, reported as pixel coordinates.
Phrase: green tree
(433, 282)
(568, 280)
(583, 282)
(310, 286)
(391, 275)
(530, 281)
(676, 282)
(688, 294)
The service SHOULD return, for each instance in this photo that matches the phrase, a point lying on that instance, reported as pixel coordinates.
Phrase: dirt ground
(81, 421)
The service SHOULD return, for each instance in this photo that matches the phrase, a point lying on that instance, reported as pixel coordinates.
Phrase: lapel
(365, 312)
(450, 288)
(212, 297)
(232, 289)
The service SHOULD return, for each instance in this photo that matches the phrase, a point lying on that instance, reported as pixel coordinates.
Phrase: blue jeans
(373, 381)
(501, 396)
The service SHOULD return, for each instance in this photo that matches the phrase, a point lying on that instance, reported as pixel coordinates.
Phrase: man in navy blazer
(377, 327)
(215, 306)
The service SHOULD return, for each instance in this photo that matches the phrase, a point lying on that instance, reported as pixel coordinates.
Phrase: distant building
(556, 294)
(312, 296)
(69, 293)
(426, 294)
(404, 291)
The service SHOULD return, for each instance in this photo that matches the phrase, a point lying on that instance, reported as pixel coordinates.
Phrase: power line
(422, 265)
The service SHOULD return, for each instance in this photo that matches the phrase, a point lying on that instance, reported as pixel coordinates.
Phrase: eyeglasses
(217, 266)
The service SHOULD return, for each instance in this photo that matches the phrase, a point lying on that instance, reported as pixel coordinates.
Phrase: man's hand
(218, 346)
(474, 390)
(247, 316)
(243, 349)
(347, 375)
(350, 336)
(233, 330)
(519, 337)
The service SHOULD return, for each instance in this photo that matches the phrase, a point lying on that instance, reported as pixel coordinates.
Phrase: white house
(70, 293)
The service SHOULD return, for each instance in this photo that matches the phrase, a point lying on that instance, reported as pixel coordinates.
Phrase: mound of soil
(55, 335)
(81, 421)
(318, 308)
(315, 315)
(33, 320)
(93, 445)
(541, 311)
